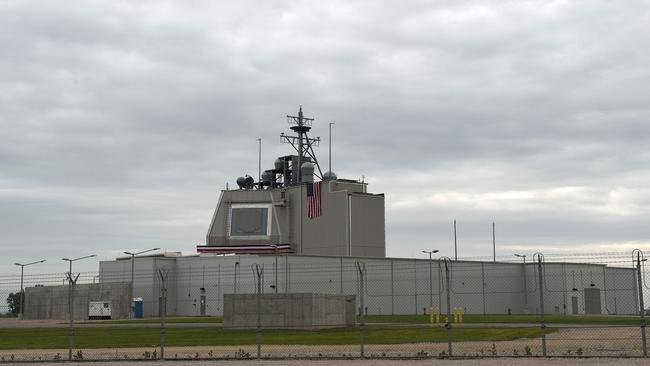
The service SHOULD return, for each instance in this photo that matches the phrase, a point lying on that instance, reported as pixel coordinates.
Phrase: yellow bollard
(431, 316)
(436, 314)
(455, 315)
(460, 315)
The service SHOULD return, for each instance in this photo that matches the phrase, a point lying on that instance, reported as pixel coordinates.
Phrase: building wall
(51, 302)
(393, 285)
(367, 230)
(146, 281)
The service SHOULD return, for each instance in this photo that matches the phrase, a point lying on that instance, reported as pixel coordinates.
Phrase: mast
(302, 143)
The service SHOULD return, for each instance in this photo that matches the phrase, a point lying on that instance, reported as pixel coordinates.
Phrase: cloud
(121, 121)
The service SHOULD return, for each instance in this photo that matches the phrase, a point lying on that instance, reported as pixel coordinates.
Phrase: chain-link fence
(284, 306)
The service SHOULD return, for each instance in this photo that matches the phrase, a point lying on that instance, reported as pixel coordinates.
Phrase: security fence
(283, 306)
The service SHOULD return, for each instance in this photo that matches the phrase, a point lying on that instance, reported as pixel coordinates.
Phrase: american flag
(313, 195)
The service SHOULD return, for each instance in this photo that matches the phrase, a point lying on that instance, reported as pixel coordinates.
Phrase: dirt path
(609, 341)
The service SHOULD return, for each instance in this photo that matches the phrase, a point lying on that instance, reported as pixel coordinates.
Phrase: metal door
(574, 305)
(592, 301)
(202, 305)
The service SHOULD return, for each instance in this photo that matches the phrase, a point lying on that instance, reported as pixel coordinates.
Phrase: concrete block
(293, 310)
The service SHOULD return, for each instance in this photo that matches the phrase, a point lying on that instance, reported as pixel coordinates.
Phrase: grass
(115, 337)
(517, 319)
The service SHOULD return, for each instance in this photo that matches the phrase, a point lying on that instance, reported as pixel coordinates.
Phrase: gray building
(288, 211)
(197, 284)
(309, 235)
(351, 221)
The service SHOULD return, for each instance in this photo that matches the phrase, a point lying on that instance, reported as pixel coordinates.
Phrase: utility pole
(430, 252)
(22, 295)
(132, 271)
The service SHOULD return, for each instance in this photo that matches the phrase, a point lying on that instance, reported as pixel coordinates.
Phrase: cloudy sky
(121, 121)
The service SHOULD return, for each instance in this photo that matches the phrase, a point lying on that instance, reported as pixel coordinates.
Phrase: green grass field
(115, 337)
(424, 319)
(514, 319)
(381, 329)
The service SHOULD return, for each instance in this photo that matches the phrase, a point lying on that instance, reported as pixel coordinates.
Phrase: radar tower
(303, 144)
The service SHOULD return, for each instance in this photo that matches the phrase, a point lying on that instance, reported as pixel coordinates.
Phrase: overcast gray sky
(121, 121)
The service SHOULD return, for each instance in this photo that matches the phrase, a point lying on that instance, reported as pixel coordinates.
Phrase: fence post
(483, 285)
(542, 322)
(392, 288)
(361, 267)
(641, 306)
(258, 272)
(448, 325)
(162, 274)
(72, 282)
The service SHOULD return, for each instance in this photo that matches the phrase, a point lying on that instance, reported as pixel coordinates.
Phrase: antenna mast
(303, 144)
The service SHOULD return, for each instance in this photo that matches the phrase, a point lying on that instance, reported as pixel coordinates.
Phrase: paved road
(13, 323)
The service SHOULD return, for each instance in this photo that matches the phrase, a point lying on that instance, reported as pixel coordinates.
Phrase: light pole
(523, 256)
(430, 252)
(275, 274)
(22, 271)
(71, 282)
(455, 243)
(330, 157)
(132, 271)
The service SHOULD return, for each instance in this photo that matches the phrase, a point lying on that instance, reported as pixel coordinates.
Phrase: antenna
(259, 164)
(303, 144)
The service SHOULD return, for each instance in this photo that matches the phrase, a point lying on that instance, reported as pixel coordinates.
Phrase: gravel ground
(467, 362)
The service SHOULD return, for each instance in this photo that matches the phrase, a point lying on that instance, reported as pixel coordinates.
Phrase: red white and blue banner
(244, 249)
(314, 208)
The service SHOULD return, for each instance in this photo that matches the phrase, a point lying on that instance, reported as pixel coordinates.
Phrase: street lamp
(71, 282)
(133, 267)
(523, 256)
(275, 250)
(430, 252)
(22, 271)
